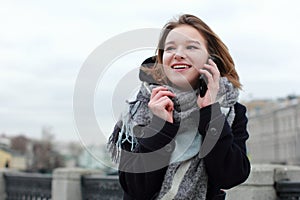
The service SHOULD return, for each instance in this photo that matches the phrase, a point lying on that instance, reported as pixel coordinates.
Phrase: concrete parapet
(260, 184)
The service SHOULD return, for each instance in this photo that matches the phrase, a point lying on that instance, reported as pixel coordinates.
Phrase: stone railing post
(66, 183)
(2, 184)
(288, 172)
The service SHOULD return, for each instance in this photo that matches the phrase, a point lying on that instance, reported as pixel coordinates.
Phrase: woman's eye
(192, 47)
(169, 48)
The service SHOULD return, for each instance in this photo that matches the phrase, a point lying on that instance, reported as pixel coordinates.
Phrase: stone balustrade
(69, 183)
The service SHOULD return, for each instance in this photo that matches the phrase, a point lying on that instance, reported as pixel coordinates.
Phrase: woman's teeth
(181, 67)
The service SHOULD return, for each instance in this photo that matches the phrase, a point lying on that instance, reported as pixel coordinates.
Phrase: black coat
(227, 164)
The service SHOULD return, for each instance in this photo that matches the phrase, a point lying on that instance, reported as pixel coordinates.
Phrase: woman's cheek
(167, 57)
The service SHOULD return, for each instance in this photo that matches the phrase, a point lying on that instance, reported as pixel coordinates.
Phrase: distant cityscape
(274, 129)
(44, 155)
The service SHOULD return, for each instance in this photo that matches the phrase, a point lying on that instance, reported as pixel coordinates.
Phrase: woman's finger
(165, 101)
(212, 67)
(162, 108)
(156, 90)
(161, 93)
(161, 103)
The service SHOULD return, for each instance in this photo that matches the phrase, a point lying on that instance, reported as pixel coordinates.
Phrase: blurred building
(11, 159)
(5, 159)
(274, 128)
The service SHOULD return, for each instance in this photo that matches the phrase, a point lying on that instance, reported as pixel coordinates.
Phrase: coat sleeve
(226, 163)
(141, 172)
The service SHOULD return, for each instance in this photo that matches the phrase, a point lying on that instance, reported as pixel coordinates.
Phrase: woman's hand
(160, 103)
(212, 74)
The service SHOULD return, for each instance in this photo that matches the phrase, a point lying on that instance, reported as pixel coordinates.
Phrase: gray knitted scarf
(186, 177)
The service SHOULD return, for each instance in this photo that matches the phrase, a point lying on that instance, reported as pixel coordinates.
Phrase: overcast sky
(44, 44)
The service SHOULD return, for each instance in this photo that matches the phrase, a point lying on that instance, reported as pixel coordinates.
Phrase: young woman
(184, 137)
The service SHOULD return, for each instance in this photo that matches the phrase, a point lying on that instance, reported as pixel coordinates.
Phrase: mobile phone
(202, 82)
(202, 85)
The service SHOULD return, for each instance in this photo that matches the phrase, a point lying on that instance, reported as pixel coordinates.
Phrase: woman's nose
(179, 54)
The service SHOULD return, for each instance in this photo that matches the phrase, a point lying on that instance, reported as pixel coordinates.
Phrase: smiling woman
(173, 142)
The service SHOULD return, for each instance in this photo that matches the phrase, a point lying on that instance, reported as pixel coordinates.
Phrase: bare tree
(45, 158)
(19, 144)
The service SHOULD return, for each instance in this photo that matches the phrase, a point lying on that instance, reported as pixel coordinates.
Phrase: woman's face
(185, 52)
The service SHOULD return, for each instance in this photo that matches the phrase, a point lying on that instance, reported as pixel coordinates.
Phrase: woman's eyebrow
(188, 41)
(193, 41)
(170, 42)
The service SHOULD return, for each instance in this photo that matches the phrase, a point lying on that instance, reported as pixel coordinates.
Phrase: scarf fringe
(113, 148)
(122, 133)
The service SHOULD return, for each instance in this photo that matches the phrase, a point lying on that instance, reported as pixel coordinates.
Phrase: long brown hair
(215, 47)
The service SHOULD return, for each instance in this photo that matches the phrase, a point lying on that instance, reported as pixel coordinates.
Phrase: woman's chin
(182, 85)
